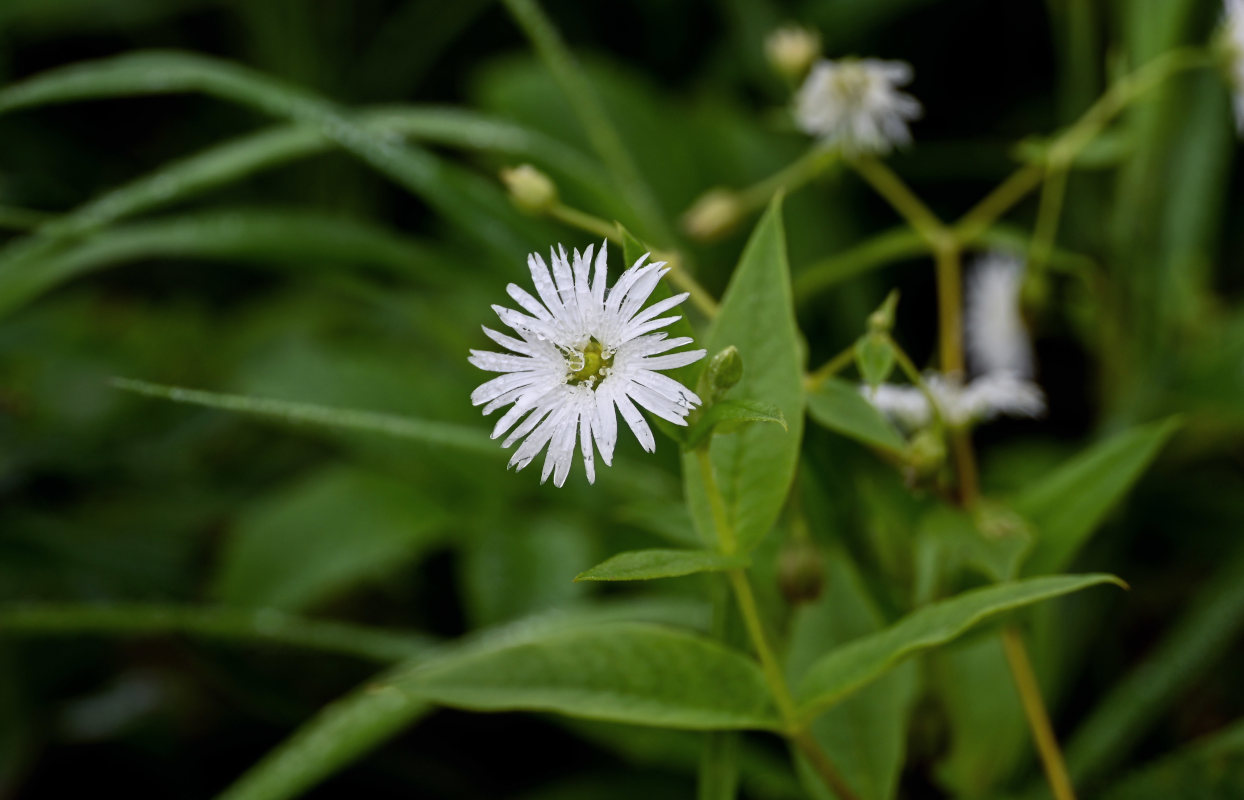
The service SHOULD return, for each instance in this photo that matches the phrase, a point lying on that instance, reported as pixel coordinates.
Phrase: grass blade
(433, 433)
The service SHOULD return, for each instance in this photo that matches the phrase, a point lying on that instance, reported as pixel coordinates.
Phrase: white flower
(985, 398)
(583, 353)
(996, 338)
(856, 104)
(1233, 29)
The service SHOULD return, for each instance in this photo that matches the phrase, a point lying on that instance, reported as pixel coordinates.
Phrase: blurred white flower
(980, 400)
(1234, 31)
(583, 354)
(856, 104)
(994, 331)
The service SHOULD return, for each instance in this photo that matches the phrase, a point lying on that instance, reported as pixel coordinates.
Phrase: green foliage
(1067, 505)
(730, 416)
(839, 406)
(847, 669)
(643, 565)
(755, 466)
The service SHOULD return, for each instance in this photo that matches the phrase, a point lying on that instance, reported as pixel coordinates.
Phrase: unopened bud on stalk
(801, 571)
(713, 215)
(882, 320)
(724, 370)
(791, 50)
(1034, 293)
(926, 452)
(530, 189)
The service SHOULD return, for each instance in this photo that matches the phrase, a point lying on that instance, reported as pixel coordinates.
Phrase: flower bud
(801, 571)
(926, 452)
(791, 50)
(713, 215)
(882, 320)
(724, 370)
(530, 189)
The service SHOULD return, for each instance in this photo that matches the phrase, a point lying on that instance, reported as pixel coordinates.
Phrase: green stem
(902, 199)
(1038, 719)
(998, 202)
(829, 369)
(950, 309)
(22, 219)
(792, 176)
(584, 221)
(795, 730)
(1048, 212)
(601, 133)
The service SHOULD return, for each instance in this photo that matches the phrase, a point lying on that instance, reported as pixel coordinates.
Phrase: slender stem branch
(829, 369)
(950, 309)
(700, 298)
(903, 200)
(965, 467)
(22, 219)
(998, 202)
(601, 133)
(792, 176)
(1038, 719)
(1048, 212)
(793, 727)
(585, 221)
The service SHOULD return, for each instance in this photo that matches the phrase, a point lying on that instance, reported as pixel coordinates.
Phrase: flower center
(851, 83)
(590, 365)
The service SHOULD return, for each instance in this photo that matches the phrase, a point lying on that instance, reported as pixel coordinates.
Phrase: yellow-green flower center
(590, 365)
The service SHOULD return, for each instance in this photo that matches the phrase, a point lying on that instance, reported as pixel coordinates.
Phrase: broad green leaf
(874, 357)
(340, 733)
(432, 433)
(867, 731)
(839, 406)
(297, 240)
(754, 468)
(642, 565)
(625, 672)
(857, 664)
(729, 416)
(1071, 502)
(522, 567)
(1195, 642)
(479, 206)
(324, 534)
(212, 622)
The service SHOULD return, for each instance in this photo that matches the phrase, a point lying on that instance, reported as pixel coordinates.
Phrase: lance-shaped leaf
(1070, 503)
(754, 468)
(643, 565)
(623, 672)
(854, 665)
(839, 406)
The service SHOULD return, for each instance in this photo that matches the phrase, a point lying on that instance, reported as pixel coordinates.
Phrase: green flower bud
(530, 189)
(926, 453)
(882, 320)
(724, 370)
(713, 215)
(791, 50)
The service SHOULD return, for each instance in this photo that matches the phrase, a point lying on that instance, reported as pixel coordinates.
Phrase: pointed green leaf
(1071, 502)
(754, 468)
(643, 565)
(624, 672)
(839, 406)
(729, 416)
(434, 433)
(853, 666)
